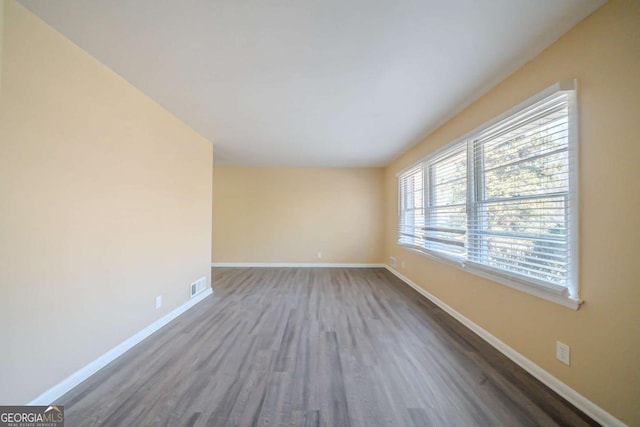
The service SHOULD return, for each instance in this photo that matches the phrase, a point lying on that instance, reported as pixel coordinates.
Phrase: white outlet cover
(319, 254)
(392, 261)
(159, 301)
(563, 352)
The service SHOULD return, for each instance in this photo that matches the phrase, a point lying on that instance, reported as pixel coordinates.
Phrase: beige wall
(105, 202)
(603, 52)
(1, 38)
(288, 215)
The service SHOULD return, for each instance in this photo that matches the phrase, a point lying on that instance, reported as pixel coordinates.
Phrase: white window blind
(446, 201)
(502, 200)
(412, 219)
(521, 201)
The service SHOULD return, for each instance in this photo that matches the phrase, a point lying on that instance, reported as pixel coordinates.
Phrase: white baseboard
(578, 400)
(294, 264)
(82, 374)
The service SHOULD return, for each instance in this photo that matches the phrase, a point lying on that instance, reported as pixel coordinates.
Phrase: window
(412, 207)
(501, 201)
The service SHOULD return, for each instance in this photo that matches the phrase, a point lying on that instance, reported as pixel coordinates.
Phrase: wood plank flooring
(314, 347)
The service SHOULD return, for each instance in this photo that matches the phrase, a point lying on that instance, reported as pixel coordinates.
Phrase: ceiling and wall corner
(313, 84)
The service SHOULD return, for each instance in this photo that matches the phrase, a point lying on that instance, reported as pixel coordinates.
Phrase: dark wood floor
(314, 347)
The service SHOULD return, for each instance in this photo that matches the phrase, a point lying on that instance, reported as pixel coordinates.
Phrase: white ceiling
(313, 82)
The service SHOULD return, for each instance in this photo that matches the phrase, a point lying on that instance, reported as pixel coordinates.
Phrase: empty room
(319, 213)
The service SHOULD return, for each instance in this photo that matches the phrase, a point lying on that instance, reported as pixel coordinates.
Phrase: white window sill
(549, 292)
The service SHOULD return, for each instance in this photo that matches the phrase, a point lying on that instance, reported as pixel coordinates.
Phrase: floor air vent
(198, 286)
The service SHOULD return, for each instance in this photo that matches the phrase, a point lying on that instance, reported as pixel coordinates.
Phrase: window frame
(567, 296)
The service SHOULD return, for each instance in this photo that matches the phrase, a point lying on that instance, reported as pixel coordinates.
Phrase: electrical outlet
(319, 254)
(402, 263)
(159, 301)
(563, 353)
(392, 261)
